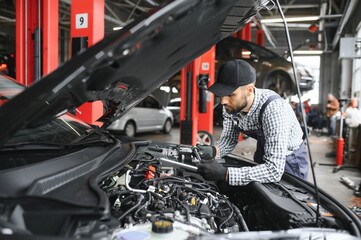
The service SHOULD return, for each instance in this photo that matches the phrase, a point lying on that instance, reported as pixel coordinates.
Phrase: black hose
(186, 209)
(229, 217)
(242, 222)
(132, 208)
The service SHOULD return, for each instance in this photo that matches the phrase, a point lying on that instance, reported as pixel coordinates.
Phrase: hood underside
(126, 66)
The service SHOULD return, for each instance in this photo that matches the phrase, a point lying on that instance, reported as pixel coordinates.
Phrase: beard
(240, 105)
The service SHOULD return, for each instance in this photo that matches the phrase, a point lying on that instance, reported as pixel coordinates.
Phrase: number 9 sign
(81, 20)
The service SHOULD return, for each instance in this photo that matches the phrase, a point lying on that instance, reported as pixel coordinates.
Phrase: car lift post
(207, 71)
(36, 39)
(192, 77)
(86, 29)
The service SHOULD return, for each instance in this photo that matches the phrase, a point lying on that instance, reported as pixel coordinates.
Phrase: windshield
(60, 131)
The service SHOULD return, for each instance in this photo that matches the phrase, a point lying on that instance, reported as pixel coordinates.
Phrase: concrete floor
(326, 179)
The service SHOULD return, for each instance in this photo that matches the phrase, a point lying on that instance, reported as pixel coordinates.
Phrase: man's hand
(211, 170)
(206, 151)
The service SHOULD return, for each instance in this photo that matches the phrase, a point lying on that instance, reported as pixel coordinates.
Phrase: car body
(64, 179)
(174, 107)
(149, 115)
(272, 71)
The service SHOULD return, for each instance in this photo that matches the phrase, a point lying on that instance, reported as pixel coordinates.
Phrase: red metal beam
(87, 20)
(92, 25)
(246, 32)
(260, 37)
(207, 66)
(196, 121)
(31, 14)
(26, 22)
(50, 35)
(20, 40)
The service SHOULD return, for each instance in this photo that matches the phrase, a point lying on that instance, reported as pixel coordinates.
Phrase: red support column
(50, 35)
(247, 32)
(207, 66)
(20, 40)
(260, 37)
(87, 21)
(26, 23)
(195, 95)
(183, 94)
(190, 117)
(31, 14)
(188, 109)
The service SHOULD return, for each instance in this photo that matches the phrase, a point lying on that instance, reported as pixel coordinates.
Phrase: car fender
(119, 124)
(169, 114)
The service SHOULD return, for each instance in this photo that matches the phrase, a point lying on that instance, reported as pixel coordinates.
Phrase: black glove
(207, 152)
(211, 170)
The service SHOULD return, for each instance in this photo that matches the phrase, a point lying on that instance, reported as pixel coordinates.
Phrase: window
(149, 102)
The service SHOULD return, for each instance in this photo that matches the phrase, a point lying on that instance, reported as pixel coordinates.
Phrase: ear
(249, 89)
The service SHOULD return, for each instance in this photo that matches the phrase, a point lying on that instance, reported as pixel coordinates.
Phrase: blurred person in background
(332, 111)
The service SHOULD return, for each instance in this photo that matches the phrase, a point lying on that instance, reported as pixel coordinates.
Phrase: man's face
(236, 101)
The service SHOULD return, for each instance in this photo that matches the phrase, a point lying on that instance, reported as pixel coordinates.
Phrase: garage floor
(319, 145)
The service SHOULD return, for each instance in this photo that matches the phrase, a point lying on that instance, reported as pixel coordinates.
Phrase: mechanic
(258, 113)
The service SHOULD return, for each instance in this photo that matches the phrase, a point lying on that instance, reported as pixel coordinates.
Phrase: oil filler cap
(162, 226)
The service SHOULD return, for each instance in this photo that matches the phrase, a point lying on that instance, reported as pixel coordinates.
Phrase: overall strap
(270, 99)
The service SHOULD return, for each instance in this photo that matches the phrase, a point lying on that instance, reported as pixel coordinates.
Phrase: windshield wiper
(33, 145)
(92, 136)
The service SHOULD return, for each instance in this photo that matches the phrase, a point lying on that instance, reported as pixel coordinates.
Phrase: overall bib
(296, 163)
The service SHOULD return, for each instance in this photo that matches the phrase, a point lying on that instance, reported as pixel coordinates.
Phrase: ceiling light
(117, 28)
(307, 52)
(290, 19)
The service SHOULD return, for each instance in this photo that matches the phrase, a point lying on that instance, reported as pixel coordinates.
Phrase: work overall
(296, 163)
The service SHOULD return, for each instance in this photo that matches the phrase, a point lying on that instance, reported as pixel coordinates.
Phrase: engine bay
(144, 190)
(159, 192)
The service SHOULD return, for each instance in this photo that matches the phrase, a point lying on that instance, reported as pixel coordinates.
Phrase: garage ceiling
(330, 17)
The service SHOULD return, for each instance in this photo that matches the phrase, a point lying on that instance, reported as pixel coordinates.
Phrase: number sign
(81, 20)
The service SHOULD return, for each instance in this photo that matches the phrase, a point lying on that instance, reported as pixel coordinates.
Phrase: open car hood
(126, 66)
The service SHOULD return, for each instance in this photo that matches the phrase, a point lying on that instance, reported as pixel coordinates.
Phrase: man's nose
(224, 100)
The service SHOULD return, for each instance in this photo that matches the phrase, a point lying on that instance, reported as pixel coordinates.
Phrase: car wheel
(167, 126)
(280, 83)
(129, 129)
(205, 138)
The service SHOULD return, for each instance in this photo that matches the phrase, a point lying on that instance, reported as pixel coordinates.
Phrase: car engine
(158, 194)
(149, 196)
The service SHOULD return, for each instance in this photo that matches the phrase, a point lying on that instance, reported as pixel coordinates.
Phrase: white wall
(312, 62)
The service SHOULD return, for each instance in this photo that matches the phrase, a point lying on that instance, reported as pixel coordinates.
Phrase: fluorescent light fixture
(308, 52)
(290, 19)
(174, 90)
(117, 28)
(165, 89)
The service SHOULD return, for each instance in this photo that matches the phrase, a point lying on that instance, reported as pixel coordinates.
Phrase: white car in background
(149, 115)
(174, 107)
